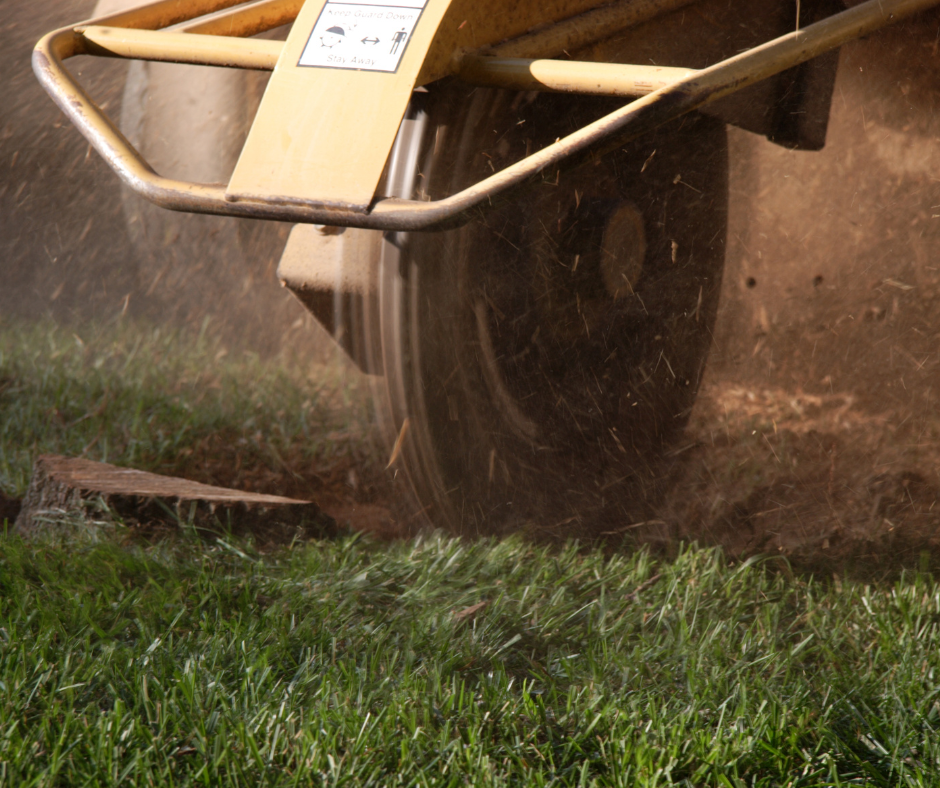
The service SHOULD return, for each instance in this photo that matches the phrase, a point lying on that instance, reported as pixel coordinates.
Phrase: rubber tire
(535, 396)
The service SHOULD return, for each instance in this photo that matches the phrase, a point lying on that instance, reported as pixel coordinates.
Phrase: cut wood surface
(63, 486)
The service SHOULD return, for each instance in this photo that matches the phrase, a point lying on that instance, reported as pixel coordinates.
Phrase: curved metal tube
(631, 121)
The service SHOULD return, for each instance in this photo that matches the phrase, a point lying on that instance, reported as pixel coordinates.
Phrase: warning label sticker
(368, 35)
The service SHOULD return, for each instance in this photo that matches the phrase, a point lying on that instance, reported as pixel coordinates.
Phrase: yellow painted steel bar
(629, 122)
(164, 13)
(608, 79)
(567, 76)
(248, 21)
(182, 47)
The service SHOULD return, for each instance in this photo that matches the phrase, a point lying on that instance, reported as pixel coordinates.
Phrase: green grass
(343, 664)
(188, 662)
(165, 401)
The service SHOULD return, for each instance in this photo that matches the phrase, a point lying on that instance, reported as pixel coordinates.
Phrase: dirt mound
(814, 478)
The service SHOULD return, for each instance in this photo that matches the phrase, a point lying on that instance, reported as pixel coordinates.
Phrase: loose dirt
(816, 478)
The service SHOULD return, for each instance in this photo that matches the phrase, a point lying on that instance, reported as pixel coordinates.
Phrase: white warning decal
(368, 35)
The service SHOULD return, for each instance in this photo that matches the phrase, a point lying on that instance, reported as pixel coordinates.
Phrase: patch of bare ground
(814, 478)
(9, 509)
(349, 485)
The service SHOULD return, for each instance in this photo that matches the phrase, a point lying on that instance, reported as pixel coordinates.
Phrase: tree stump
(69, 491)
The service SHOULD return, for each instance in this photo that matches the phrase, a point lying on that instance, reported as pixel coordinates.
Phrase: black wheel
(547, 353)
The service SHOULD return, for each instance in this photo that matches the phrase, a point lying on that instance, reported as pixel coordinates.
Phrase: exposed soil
(815, 478)
(351, 487)
(9, 509)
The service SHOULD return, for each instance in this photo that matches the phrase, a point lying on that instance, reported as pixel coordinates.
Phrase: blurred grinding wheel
(540, 359)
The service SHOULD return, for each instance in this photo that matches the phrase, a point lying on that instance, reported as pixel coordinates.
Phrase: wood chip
(470, 612)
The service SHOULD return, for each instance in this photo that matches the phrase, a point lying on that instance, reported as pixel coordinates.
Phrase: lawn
(429, 661)
(169, 402)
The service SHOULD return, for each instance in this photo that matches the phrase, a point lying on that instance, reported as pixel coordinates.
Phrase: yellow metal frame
(210, 32)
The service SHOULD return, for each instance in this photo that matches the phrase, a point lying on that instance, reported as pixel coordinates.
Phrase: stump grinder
(512, 215)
